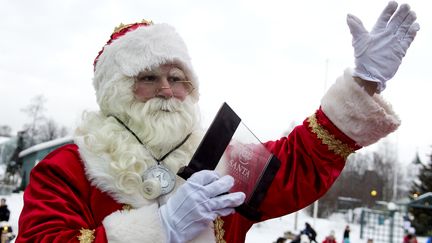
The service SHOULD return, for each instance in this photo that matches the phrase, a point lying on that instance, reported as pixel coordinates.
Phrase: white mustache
(159, 104)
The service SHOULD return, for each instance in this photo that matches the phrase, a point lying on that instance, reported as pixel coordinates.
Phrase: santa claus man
(118, 183)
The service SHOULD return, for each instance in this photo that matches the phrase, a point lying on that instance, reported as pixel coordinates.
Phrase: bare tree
(387, 166)
(366, 178)
(50, 130)
(40, 128)
(35, 110)
(408, 175)
(358, 163)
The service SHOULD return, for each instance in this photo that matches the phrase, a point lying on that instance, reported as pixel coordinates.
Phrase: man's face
(165, 81)
(162, 111)
(157, 107)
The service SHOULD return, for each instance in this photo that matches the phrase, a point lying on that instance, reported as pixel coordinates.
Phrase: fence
(382, 226)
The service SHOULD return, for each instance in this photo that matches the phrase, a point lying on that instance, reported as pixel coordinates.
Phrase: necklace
(159, 172)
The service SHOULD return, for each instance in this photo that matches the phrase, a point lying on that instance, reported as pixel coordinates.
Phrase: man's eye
(174, 79)
(148, 78)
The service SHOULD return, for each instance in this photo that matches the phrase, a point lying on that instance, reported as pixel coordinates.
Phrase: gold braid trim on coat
(87, 236)
(334, 144)
(126, 207)
(219, 231)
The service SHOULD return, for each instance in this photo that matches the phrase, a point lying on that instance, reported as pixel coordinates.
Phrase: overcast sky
(271, 61)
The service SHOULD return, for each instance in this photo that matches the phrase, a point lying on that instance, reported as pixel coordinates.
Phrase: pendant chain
(139, 140)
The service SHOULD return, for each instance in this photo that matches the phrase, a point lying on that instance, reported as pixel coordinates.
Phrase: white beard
(115, 161)
(162, 124)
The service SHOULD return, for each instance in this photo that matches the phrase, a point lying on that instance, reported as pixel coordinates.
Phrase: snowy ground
(270, 230)
(265, 232)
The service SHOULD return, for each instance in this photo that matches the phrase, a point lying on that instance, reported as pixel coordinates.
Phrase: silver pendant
(165, 177)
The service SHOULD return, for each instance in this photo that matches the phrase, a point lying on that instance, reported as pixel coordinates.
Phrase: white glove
(197, 203)
(379, 53)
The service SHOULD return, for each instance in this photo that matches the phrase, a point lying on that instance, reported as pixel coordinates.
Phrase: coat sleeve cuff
(135, 225)
(363, 118)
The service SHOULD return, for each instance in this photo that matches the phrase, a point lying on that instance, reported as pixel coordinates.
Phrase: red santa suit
(70, 198)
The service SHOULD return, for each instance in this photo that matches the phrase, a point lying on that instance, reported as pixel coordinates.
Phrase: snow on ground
(265, 232)
(15, 204)
(270, 230)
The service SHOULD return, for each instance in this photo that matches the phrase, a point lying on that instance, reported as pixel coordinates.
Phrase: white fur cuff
(362, 117)
(135, 226)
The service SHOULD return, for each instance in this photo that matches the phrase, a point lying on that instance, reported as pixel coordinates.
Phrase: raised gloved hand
(197, 203)
(379, 53)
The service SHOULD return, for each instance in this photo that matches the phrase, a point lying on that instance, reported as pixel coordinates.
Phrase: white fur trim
(140, 49)
(362, 117)
(135, 226)
(143, 225)
(101, 175)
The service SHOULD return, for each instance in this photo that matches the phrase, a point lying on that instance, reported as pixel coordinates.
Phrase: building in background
(31, 156)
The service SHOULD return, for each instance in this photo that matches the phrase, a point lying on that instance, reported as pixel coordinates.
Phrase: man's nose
(164, 89)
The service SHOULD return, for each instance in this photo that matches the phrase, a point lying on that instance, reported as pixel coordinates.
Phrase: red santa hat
(136, 47)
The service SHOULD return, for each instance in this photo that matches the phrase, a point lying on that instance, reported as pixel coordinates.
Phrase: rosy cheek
(140, 95)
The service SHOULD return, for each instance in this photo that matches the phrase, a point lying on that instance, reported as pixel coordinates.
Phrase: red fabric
(329, 240)
(59, 201)
(409, 239)
(308, 169)
(324, 122)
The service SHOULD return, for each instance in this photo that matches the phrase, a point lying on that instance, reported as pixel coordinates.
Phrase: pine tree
(422, 215)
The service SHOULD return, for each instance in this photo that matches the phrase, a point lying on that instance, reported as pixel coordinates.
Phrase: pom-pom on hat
(136, 47)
